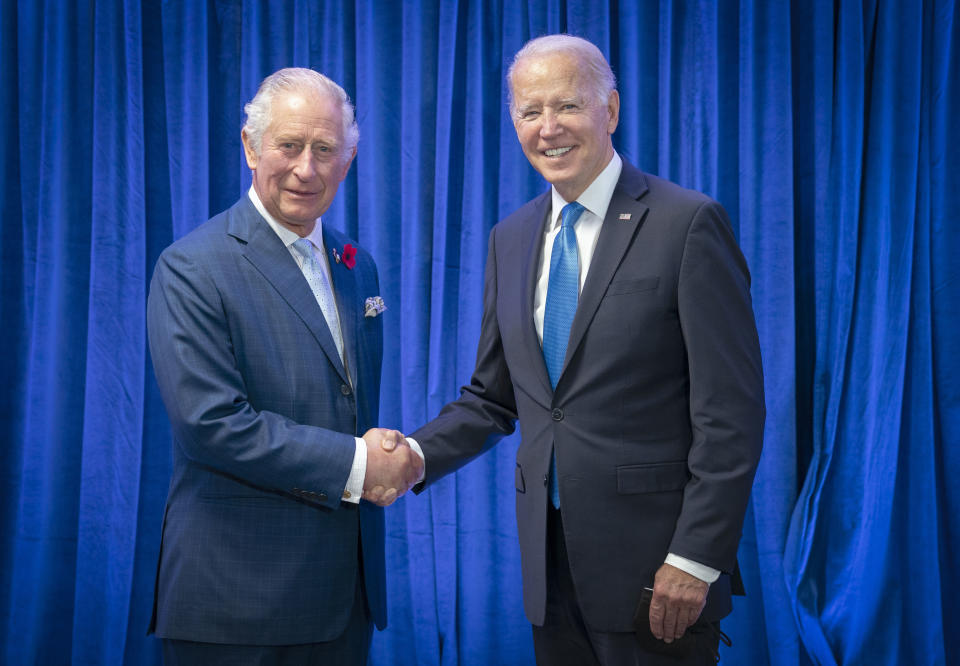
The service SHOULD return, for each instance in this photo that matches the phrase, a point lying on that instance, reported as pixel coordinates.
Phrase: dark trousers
(349, 649)
(566, 640)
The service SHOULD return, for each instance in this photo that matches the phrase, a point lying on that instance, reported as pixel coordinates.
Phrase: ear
(248, 150)
(613, 111)
(346, 165)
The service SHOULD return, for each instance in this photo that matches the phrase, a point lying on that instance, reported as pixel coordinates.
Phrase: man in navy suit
(618, 329)
(267, 347)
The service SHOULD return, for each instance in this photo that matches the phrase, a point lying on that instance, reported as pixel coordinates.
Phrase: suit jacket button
(322, 497)
(345, 390)
(557, 415)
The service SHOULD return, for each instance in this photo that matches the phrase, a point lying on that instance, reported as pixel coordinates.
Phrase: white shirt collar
(596, 198)
(288, 237)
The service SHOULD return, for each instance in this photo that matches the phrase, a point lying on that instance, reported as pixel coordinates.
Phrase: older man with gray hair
(266, 339)
(618, 330)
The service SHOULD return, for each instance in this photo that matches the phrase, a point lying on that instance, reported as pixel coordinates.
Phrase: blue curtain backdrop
(827, 129)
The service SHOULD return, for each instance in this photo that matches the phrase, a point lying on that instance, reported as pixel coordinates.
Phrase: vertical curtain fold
(115, 348)
(53, 84)
(766, 218)
(938, 173)
(440, 320)
(13, 309)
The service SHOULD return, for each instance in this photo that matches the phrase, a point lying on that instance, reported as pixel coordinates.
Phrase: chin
(557, 178)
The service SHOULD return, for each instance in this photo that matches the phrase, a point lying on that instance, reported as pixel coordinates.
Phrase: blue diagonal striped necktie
(563, 292)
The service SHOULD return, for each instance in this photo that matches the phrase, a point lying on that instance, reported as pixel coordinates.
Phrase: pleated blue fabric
(827, 129)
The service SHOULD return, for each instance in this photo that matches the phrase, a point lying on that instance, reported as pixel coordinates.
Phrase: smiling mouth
(557, 152)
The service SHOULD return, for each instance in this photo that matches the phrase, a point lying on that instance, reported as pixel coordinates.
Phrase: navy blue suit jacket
(657, 418)
(257, 547)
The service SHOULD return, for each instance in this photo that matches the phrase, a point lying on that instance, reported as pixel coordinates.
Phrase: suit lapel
(266, 252)
(345, 294)
(532, 253)
(624, 216)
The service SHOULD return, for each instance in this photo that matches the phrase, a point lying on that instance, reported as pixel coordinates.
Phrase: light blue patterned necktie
(563, 292)
(322, 290)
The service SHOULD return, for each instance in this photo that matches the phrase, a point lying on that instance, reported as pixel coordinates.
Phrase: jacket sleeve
(726, 390)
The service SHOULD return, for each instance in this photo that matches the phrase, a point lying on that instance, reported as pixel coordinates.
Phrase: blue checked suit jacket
(257, 547)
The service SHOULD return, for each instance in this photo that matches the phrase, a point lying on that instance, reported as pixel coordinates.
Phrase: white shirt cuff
(354, 487)
(416, 448)
(695, 569)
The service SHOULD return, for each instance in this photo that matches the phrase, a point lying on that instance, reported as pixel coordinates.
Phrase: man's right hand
(678, 599)
(392, 466)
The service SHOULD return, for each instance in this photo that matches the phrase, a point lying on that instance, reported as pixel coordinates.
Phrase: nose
(305, 166)
(549, 124)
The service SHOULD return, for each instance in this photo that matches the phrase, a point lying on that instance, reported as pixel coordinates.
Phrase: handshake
(392, 466)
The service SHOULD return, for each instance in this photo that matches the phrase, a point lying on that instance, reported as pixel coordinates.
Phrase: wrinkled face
(302, 159)
(562, 129)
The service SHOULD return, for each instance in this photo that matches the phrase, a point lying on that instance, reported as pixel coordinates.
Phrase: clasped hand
(392, 466)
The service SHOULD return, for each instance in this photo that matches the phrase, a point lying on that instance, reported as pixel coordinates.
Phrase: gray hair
(594, 66)
(290, 79)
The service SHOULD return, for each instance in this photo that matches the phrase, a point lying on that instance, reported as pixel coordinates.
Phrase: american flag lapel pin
(624, 216)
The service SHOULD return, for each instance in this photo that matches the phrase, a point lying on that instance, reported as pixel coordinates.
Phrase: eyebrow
(578, 100)
(296, 139)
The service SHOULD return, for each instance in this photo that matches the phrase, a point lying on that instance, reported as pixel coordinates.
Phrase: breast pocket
(619, 287)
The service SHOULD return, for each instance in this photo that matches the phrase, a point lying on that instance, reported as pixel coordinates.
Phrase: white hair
(593, 65)
(259, 110)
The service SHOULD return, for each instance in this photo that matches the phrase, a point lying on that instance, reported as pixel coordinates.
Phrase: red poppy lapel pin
(348, 257)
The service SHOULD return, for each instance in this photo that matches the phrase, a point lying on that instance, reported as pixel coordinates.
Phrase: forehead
(538, 79)
(299, 112)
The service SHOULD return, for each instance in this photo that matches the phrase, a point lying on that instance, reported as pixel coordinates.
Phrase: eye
(322, 151)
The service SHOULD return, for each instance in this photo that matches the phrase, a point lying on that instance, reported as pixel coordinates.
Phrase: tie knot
(304, 247)
(570, 213)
